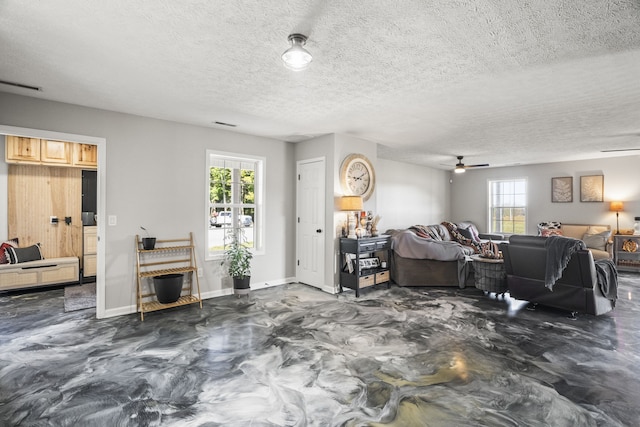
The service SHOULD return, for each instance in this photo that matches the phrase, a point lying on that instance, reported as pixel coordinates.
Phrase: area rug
(79, 297)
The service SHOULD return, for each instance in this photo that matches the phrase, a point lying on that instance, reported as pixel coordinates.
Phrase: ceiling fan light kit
(297, 58)
(461, 167)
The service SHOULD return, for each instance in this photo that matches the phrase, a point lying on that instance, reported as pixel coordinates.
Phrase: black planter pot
(241, 285)
(168, 287)
(148, 243)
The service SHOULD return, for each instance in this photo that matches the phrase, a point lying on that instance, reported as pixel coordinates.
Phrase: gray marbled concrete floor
(295, 356)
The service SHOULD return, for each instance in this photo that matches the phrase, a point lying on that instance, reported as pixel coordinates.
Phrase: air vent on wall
(21, 85)
(225, 124)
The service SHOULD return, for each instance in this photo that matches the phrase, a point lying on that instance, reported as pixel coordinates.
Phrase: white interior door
(311, 222)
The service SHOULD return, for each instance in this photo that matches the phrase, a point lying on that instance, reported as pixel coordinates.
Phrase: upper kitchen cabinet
(55, 152)
(20, 149)
(85, 155)
(49, 152)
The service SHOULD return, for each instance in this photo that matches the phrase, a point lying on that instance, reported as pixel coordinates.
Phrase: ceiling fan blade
(484, 165)
(620, 149)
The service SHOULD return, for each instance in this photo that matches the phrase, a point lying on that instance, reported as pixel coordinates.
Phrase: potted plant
(237, 258)
(148, 242)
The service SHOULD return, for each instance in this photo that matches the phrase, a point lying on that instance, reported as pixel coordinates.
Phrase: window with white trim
(508, 206)
(234, 200)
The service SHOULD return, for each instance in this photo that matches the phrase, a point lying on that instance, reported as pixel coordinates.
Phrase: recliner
(578, 290)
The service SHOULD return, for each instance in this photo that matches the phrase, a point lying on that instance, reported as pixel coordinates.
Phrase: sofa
(597, 237)
(584, 285)
(436, 255)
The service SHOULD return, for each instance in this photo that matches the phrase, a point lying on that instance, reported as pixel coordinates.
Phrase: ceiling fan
(461, 167)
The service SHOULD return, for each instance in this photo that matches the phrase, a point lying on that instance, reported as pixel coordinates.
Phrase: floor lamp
(351, 204)
(617, 207)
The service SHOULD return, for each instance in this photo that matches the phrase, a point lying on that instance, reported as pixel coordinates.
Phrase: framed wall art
(562, 189)
(592, 188)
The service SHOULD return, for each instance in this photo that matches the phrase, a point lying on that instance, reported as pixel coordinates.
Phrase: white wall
(410, 194)
(469, 195)
(155, 177)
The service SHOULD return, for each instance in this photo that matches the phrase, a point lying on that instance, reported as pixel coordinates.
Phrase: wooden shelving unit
(169, 256)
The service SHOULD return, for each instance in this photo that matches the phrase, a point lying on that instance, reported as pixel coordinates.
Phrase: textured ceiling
(500, 82)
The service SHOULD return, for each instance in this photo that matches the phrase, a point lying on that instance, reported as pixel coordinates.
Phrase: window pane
(232, 201)
(507, 208)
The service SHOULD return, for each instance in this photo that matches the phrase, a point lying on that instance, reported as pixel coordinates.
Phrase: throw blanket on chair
(559, 252)
(607, 279)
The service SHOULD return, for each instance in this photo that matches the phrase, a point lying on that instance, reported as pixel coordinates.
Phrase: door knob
(319, 230)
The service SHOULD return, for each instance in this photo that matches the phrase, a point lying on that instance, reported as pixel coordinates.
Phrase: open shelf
(170, 256)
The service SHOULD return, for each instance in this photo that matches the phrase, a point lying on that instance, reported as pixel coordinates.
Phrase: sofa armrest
(609, 247)
(491, 236)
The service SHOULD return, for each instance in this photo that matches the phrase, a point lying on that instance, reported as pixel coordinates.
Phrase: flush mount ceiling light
(297, 58)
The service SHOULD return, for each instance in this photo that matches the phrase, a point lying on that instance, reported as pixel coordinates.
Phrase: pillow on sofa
(549, 225)
(30, 253)
(597, 241)
(550, 232)
(468, 233)
(13, 243)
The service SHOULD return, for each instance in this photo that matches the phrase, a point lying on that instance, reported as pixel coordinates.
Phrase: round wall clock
(357, 176)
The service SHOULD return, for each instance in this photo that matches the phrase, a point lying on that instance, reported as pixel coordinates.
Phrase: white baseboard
(130, 309)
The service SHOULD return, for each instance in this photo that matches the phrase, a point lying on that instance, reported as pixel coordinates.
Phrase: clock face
(357, 176)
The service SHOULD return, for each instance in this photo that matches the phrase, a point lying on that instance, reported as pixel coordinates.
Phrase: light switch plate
(113, 220)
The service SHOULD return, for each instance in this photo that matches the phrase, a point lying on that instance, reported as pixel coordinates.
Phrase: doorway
(100, 196)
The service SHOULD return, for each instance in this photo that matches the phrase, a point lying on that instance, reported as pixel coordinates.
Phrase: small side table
(626, 252)
(489, 274)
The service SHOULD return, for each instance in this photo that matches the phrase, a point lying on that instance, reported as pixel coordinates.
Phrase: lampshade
(351, 203)
(616, 207)
(297, 58)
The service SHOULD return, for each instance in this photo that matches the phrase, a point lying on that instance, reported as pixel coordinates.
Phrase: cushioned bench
(42, 272)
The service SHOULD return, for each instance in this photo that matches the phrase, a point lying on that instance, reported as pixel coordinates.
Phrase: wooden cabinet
(19, 149)
(85, 155)
(365, 262)
(89, 250)
(55, 152)
(169, 256)
(626, 252)
(50, 152)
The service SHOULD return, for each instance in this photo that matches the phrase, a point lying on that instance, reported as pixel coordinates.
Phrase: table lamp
(617, 207)
(351, 204)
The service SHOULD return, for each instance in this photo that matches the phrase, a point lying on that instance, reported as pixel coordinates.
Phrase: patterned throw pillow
(554, 228)
(550, 232)
(13, 243)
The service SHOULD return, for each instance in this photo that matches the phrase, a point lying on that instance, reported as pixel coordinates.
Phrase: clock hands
(359, 178)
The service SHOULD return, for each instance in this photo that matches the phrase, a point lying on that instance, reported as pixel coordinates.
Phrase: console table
(365, 262)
